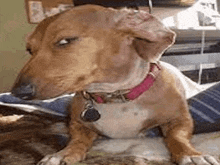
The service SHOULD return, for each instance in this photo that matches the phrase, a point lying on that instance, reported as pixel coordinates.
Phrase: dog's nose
(24, 91)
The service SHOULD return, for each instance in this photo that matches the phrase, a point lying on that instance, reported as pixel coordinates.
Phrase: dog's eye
(66, 41)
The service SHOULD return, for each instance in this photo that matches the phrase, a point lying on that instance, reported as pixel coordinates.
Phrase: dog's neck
(136, 76)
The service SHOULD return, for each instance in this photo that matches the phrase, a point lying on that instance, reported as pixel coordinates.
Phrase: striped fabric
(205, 110)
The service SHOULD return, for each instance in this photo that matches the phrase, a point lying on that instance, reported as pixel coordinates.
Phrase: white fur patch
(121, 120)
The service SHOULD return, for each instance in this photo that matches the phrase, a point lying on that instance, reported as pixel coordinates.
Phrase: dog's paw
(52, 160)
(56, 159)
(199, 160)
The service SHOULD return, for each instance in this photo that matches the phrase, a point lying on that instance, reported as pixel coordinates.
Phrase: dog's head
(88, 44)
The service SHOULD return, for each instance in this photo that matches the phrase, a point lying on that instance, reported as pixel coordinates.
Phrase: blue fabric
(59, 105)
(205, 110)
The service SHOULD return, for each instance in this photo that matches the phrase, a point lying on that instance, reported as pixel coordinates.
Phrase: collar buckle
(120, 94)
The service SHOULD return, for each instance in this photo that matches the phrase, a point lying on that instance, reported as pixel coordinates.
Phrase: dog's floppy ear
(151, 37)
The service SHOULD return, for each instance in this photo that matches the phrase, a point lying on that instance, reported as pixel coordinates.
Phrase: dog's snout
(24, 91)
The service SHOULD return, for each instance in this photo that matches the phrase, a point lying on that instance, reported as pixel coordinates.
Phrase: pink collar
(130, 94)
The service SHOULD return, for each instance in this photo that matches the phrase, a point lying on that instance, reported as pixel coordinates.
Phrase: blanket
(56, 108)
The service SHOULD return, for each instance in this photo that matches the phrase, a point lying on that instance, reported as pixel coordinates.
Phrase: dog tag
(90, 114)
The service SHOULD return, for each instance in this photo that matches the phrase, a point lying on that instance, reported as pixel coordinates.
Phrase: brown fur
(108, 44)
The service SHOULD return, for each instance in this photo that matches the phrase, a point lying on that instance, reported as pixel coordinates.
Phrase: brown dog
(96, 51)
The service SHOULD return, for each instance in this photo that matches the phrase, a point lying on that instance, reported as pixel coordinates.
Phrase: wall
(13, 29)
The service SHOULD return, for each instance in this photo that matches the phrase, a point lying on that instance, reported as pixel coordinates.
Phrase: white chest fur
(120, 120)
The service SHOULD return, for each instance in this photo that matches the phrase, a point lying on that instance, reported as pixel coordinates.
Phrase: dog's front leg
(177, 138)
(81, 140)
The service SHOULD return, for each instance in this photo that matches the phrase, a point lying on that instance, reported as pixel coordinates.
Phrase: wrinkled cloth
(57, 107)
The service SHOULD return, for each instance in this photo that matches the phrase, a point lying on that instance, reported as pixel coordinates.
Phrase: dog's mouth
(30, 91)
(49, 98)
(57, 97)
